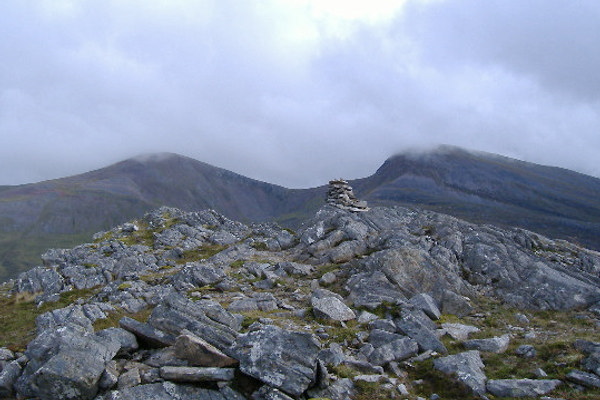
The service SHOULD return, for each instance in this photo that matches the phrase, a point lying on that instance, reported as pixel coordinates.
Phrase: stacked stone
(340, 195)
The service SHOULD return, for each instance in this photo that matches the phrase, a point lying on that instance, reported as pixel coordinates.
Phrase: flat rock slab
(332, 308)
(466, 367)
(282, 359)
(167, 391)
(521, 387)
(459, 331)
(497, 344)
(198, 352)
(584, 378)
(197, 374)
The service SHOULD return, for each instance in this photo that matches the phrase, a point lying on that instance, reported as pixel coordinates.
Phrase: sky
(295, 92)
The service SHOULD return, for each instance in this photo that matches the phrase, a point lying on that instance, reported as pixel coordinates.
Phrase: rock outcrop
(213, 308)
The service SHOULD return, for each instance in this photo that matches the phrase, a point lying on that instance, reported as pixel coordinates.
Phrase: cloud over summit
(295, 92)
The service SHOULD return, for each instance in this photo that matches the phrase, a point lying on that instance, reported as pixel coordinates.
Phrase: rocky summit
(379, 304)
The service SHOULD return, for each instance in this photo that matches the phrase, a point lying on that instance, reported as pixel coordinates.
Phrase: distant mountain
(62, 212)
(479, 187)
(488, 188)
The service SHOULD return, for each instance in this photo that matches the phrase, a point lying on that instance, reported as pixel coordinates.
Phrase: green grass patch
(201, 253)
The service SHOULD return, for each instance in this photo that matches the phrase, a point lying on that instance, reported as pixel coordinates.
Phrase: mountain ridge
(476, 186)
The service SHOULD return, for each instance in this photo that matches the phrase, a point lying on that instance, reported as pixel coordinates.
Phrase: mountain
(487, 188)
(479, 187)
(63, 212)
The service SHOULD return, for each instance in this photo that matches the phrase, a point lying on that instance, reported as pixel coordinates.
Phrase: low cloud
(279, 92)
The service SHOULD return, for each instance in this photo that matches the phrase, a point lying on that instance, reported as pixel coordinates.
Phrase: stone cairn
(340, 195)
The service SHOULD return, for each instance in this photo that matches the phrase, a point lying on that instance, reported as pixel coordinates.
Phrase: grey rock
(497, 344)
(467, 368)
(592, 363)
(397, 350)
(195, 275)
(110, 376)
(526, 350)
(72, 314)
(70, 374)
(165, 357)
(6, 354)
(328, 278)
(371, 289)
(8, 377)
(365, 317)
(39, 280)
(283, 359)
(426, 338)
(165, 391)
(584, 378)
(380, 337)
(129, 379)
(67, 358)
(383, 324)
(267, 392)
(332, 355)
(586, 346)
(426, 303)
(196, 374)
(342, 389)
(200, 353)
(521, 387)
(332, 308)
(127, 340)
(205, 319)
(146, 333)
(294, 268)
(459, 331)
(455, 304)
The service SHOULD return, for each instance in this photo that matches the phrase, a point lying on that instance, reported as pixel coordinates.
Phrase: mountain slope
(488, 188)
(63, 210)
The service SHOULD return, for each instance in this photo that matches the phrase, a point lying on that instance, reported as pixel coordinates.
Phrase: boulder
(282, 359)
(332, 308)
(415, 329)
(465, 367)
(592, 363)
(492, 345)
(396, 350)
(146, 333)
(584, 378)
(8, 376)
(521, 387)
(200, 353)
(459, 331)
(426, 303)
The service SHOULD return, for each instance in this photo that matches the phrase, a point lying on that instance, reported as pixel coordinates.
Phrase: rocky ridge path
(352, 306)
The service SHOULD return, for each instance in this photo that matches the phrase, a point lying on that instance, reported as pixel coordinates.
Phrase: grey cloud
(221, 81)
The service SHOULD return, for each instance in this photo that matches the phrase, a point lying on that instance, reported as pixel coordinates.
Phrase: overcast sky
(295, 92)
